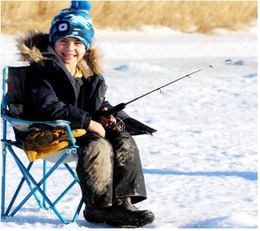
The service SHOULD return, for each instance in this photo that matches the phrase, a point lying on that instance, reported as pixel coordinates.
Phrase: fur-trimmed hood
(35, 46)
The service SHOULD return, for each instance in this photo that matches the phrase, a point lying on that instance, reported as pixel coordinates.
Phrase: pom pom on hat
(74, 22)
(81, 5)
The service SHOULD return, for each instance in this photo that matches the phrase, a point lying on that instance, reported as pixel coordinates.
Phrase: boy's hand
(107, 120)
(97, 128)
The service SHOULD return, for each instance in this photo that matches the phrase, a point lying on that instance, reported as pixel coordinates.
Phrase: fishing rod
(122, 106)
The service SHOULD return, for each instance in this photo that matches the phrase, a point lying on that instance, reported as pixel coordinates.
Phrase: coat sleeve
(42, 103)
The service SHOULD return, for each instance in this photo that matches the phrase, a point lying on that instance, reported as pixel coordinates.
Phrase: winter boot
(96, 215)
(122, 214)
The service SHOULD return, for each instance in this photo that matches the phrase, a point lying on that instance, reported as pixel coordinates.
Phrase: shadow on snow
(246, 175)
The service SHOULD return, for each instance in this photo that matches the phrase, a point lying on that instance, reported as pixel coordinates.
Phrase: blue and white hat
(74, 22)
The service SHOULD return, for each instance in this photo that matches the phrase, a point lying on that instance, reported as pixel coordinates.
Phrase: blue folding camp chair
(11, 107)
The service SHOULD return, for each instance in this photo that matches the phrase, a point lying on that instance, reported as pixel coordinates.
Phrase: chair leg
(34, 186)
(3, 177)
(37, 187)
(75, 218)
(74, 175)
(44, 183)
(18, 190)
(3, 211)
(64, 192)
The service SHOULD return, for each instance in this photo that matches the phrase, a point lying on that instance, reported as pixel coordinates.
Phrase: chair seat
(57, 155)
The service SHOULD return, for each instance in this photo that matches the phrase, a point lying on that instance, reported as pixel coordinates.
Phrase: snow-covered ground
(200, 166)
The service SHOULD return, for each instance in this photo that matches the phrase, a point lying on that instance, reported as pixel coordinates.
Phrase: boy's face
(70, 50)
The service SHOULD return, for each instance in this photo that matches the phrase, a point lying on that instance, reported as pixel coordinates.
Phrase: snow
(200, 166)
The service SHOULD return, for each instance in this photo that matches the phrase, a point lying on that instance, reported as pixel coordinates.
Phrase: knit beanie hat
(74, 22)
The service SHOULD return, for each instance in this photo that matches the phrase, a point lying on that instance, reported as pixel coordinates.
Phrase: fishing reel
(118, 126)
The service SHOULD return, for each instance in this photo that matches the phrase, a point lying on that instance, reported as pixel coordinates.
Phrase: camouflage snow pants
(109, 168)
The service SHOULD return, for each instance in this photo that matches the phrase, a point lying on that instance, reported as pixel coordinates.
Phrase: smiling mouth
(68, 56)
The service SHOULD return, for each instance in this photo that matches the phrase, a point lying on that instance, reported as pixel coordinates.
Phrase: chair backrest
(13, 90)
(13, 97)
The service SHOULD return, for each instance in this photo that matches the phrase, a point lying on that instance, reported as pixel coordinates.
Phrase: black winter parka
(50, 93)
